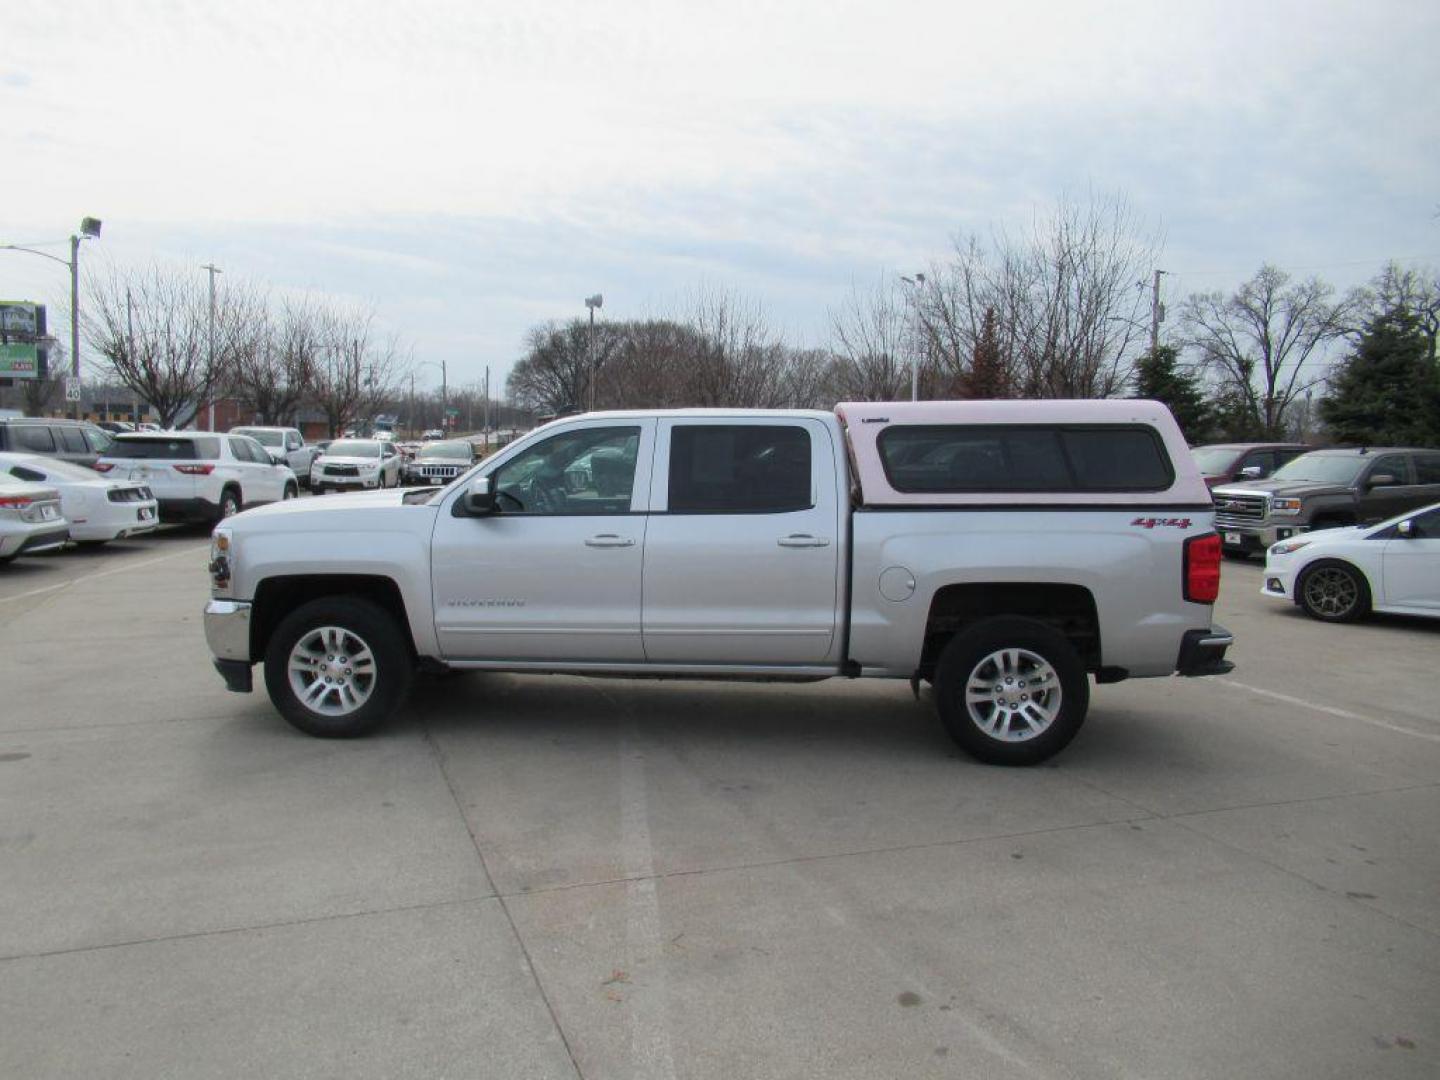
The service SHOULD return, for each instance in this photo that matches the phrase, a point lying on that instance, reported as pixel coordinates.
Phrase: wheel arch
(1065, 606)
(276, 597)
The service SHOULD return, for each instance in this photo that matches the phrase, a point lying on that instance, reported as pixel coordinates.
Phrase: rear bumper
(36, 542)
(1202, 652)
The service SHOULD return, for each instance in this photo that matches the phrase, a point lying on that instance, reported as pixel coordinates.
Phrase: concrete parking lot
(534, 877)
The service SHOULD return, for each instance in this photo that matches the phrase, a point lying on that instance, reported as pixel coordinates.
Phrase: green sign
(19, 360)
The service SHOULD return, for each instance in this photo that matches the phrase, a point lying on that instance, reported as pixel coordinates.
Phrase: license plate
(146, 513)
(1233, 539)
(139, 474)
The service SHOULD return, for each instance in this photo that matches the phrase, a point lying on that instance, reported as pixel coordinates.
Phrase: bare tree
(165, 313)
(554, 375)
(355, 374)
(1396, 288)
(1065, 303)
(739, 361)
(869, 338)
(39, 395)
(1257, 342)
(275, 364)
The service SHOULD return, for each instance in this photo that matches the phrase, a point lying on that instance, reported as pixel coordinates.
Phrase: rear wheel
(1333, 591)
(337, 667)
(1011, 691)
(229, 503)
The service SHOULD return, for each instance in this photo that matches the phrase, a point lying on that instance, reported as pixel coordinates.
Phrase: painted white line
(646, 995)
(102, 574)
(1330, 710)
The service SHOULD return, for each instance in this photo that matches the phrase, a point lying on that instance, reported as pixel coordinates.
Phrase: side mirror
(479, 497)
(1383, 479)
(1406, 529)
(1252, 472)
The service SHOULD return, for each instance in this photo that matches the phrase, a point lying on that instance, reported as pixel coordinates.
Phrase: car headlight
(222, 562)
(1285, 506)
(1287, 547)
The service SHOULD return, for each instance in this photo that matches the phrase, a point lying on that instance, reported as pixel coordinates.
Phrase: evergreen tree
(1158, 378)
(987, 377)
(1387, 392)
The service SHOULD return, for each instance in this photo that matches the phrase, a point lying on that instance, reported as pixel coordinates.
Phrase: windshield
(261, 435)
(1213, 459)
(1321, 468)
(459, 450)
(353, 448)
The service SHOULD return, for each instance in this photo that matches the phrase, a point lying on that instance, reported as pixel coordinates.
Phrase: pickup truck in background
(1003, 551)
(285, 446)
(1325, 489)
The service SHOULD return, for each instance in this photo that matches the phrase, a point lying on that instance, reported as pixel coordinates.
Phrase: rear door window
(1427, 468)
(739, 468)
(73, 440)
(33, 437)
(1024, 459)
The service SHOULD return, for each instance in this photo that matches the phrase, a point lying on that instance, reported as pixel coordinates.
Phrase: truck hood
(312, 513)
(1290, 489)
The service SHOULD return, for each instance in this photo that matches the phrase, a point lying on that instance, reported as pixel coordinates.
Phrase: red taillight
(15, 502)
(103, 466)
(1202, 569)
(195, 470)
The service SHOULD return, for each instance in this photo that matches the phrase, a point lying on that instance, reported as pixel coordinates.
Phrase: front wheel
(337, 667)
(1011, 691)
(291, 491)
(1333, 591)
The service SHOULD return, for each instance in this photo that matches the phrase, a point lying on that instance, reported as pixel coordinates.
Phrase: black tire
(970, 657)
(353, 620)
(292, 491)
(1333, 591)
(230, 504)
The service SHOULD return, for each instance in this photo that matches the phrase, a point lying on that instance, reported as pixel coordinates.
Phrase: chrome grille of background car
(1240, 509)
(444, 472)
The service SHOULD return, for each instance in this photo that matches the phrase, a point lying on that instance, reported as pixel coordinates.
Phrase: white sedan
(98, 509)
(1338, 575)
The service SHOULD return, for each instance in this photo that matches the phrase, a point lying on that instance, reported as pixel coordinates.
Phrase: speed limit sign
(72, 389)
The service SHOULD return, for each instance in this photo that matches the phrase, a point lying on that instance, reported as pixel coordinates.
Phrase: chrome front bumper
(227, 629)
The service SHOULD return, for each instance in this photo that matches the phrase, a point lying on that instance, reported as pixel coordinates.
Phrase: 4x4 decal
(1167, 523)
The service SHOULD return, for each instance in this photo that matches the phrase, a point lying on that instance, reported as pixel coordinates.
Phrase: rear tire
(338, 667)
(230, 504)
(1333, 591)
(1011, 691)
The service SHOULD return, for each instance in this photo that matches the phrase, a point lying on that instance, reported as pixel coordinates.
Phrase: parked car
(1342, 574)
(1224, 463)
(736, 543)
(200, 477)
(432, 435)
(1325, 489)
(31, 520)
(286, 445)
(98, 509)
(70, 440)
(356, 464)
(439, 462)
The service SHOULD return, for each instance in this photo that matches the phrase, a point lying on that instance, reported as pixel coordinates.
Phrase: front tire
(1333, 591)
(338, 667)
(1011, 691)
(291, 492)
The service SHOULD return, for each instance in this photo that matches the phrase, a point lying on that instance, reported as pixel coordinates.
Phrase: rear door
(742, 551)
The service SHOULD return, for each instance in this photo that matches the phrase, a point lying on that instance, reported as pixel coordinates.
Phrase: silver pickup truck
(1002, 551)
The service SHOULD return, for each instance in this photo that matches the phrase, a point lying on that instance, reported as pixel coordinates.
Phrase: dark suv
(70, 440)
(1326, 489)
(1222, 463)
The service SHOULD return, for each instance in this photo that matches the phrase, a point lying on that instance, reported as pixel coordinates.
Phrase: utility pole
(1157, 312)
(130, 345)
(916, 284)
(593, 302)
(210, 367)
(444, 399)
(410, 419)
(487, 408)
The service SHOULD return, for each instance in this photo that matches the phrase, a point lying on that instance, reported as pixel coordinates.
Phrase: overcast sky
(473, 168)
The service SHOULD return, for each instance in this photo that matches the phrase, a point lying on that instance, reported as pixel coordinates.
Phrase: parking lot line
(100, 574)
(1331, 710)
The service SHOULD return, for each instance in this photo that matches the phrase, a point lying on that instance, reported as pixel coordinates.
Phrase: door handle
(609, 540)
(803, 540)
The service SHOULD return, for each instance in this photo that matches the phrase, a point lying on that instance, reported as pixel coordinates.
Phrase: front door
(555, 573)
(742, 553)
(1412, 564)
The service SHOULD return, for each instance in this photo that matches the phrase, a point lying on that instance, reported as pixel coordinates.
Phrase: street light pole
(593, 302)
(89, 230)
(1157, 312)
(210, 366)
(916, 284)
